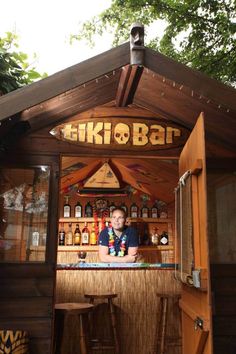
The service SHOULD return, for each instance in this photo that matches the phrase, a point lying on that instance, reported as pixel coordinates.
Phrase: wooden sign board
(122, 133)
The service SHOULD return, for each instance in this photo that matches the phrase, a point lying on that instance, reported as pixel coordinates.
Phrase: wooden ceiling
(157, 178)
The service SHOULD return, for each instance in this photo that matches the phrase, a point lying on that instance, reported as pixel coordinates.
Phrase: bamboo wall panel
(137, 305)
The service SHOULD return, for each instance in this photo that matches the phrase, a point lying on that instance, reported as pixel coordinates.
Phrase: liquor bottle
(93, 236)
(133, 211)
(69, 236)
(111, 208)
(155, 236)
(88, 211)
(35, 238)
(61, 236)
(164, 239)
(66, 208)
(78, 210)
(124, 207)
(77, 235)
(154, 212)
(85, 235)
(144, 212)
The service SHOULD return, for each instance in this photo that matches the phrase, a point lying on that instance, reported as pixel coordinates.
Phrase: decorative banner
(121, 133)
(103, 178)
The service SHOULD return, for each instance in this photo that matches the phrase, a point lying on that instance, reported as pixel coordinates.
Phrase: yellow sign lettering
(92, 133)
(157, 137)
(140, 131)
(170, 133)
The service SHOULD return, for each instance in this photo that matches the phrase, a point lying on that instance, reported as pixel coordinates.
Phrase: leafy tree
(198, 33)
(15, 71)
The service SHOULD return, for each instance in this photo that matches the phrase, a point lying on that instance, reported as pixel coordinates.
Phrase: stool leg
(162, 325)
(58, 332)
(113, 322)
(83, 345)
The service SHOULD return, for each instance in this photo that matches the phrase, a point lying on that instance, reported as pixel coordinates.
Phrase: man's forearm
(116, 259)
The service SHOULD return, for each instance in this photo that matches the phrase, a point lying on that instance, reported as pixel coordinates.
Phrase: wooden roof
(166, 88)
(108, 85)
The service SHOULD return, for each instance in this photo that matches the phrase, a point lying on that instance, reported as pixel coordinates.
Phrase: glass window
(23, 213)
(221, 217)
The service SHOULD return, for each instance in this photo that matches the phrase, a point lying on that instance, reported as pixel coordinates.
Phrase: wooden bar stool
(71, 309)
(162, 324)
(98, 344)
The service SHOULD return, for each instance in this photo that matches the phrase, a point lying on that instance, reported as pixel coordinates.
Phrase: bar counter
(110, 266)
(136, 306)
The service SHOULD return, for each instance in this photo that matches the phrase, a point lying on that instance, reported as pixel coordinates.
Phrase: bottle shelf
(129, 219)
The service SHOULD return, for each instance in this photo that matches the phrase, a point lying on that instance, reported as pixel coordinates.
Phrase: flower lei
(112, 250)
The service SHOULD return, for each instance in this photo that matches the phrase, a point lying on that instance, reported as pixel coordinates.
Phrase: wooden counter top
(110, 266)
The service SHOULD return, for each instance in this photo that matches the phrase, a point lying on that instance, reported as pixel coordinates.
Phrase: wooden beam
(128, 84)
(63, 81)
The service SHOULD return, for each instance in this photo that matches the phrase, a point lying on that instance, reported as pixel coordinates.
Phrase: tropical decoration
(111, 244)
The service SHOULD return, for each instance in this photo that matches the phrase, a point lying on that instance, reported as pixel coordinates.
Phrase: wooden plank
(193, 314)
(63, 81)
(51, 246)
(224, 344)
(36, 327)
(128, 84)
(15, 287)
(27, 271)
(124, 78)
(73, 102)
(221, 329)
(26, 307)
(202, 342)
(193, 79)
(223, 270)
(153, 94)
(40, 345)
(225, 305)
(224, 286)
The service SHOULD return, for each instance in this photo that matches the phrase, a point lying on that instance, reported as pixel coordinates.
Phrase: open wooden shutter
(192, 245)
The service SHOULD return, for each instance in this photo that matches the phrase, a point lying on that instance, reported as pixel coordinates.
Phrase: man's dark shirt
(131, 241)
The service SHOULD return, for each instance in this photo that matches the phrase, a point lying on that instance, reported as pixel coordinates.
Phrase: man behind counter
(118, 243)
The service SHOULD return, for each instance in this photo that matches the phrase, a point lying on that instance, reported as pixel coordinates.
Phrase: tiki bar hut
(133, 129)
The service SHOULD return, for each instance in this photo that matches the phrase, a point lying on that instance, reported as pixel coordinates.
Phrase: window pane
(221, 217)
(23, 213)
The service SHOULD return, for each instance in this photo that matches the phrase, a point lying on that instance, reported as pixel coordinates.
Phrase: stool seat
(100, 296)
(74, 308)
(63, 310)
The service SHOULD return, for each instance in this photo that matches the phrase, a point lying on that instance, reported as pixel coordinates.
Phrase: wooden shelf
(149, 220)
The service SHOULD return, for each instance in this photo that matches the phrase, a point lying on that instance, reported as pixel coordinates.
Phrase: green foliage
(199, 33)
(15, 71)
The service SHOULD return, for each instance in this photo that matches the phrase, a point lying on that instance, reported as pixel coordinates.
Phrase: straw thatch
(137, 306)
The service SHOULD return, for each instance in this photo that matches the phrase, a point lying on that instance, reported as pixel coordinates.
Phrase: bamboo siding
(137, 306)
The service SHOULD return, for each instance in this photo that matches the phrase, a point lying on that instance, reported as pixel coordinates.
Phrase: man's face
(118, 220)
